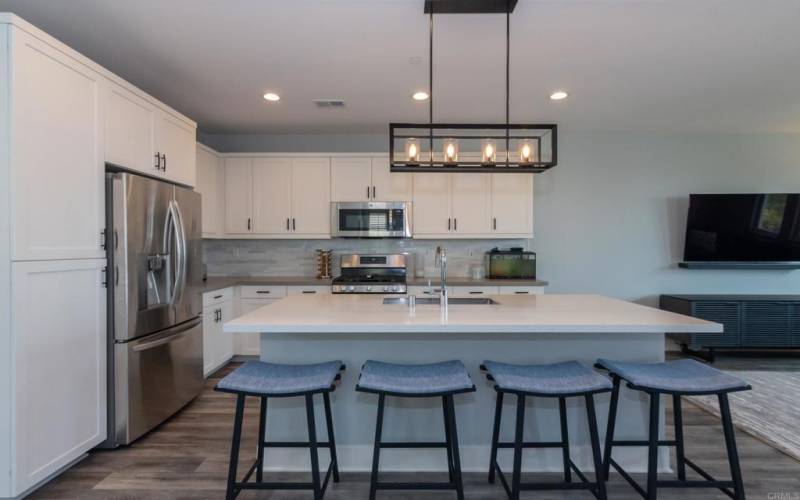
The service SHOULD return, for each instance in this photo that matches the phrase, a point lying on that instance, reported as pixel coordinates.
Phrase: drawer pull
(262, 291)
(309, 291)
(217, 296)
(522, 292)
(474, 292)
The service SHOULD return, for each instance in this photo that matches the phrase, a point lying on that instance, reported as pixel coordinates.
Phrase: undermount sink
(460, 301)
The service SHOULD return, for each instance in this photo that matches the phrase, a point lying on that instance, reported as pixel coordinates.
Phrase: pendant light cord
(508, 72)
(430, 82)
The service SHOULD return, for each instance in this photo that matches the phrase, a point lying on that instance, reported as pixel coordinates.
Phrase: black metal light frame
(538, 132)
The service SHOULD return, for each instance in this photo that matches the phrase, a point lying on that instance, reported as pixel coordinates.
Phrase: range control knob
(369, 288)
(386, 289)
(348, 288)
(395, 288)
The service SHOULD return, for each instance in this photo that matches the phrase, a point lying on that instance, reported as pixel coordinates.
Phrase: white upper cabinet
(367, 179)
(431, 209)
(59, 368)
(278, 197)
(512, 205)
(473, 205)
(211, 185)
(388, 186)
(470, 204)
(57, 182)
(311, 197)
(130, 123)
(272, 184)
(238, 195)
(351, 179)
(176, 142)
(143, 137)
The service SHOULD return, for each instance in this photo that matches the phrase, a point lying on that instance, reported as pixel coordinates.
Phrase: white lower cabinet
(59, 365)
(218, 346)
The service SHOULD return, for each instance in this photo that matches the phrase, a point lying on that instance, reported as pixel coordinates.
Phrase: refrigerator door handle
(166, 337)
(180, 247)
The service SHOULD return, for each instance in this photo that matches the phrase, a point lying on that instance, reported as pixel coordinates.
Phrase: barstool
(685, 377)
(417, 381)
(269, 380)
(559, 380)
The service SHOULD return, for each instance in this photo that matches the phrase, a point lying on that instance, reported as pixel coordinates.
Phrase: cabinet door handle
(164, 157)
(455, 224)
(158, 161)
(494, 223)
(249, 223)
(287, 223)
(367, 191)
(448, 223)
(373, 192)
(294, 225)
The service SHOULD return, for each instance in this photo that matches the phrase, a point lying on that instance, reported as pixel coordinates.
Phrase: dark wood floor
(187, 456)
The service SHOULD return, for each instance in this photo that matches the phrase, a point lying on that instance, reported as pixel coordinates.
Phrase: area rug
(770, 412)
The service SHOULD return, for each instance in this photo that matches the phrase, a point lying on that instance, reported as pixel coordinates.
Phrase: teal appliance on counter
(513, 263)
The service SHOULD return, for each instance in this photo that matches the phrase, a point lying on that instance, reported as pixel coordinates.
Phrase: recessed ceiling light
(558, 95)
(272, 96)
(420, 96)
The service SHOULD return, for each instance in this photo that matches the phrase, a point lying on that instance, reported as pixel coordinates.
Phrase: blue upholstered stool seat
(685, 376)
(449, 377)
(556, 379)
(270, 379)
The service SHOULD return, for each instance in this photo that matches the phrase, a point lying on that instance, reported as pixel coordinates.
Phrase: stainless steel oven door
(371, 219)
(155, 377)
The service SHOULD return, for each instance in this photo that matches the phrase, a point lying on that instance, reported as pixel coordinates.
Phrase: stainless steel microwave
(371, 219)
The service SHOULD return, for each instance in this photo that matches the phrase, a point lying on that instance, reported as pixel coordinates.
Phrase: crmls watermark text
(783, 495)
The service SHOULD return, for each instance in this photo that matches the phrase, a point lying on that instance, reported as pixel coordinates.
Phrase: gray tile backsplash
(297, 257)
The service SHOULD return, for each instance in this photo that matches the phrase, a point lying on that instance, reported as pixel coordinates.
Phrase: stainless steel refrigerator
(153, 235)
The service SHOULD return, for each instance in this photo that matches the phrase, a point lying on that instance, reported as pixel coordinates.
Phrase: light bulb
(450, 151)
(489, 151)
(412, 151)
(526, 152)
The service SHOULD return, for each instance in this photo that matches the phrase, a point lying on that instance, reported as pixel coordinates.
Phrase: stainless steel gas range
(373, 273)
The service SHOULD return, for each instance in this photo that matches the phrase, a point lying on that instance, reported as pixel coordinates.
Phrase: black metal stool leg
(562, 411)
(612, 420)
(677, 416)
(326, 398)
(652, 448)
(373, 481)
(593, 436)
(517, 475)
(262, 424)
(231, 491)
(730, 444)
(312, 447)
(498, 410)
(447, 439)
(453, 438)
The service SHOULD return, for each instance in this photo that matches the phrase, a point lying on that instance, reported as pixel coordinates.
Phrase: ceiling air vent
(329, 103)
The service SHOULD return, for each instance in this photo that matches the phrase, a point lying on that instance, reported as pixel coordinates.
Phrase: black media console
(750, 321)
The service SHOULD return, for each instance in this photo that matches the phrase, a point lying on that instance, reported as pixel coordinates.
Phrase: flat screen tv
(743, 228)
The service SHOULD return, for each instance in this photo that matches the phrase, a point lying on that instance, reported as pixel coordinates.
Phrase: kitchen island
(517, 329)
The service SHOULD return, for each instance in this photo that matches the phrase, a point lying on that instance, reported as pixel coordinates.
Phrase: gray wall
(610, 217)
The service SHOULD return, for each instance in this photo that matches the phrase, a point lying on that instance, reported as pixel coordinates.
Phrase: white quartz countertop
(513, 314)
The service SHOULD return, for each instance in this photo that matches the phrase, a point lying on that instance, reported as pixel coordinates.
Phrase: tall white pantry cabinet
(53, 128)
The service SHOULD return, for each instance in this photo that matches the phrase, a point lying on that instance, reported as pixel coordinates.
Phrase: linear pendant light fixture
(472, 147)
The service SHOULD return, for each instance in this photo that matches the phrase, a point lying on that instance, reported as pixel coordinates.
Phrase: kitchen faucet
(441, 263)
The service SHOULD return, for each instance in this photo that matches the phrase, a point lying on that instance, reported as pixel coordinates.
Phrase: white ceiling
(653, 65)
